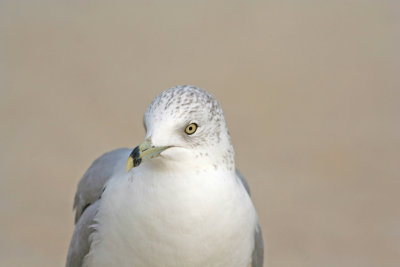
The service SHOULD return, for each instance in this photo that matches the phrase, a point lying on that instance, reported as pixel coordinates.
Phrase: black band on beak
(135, 155)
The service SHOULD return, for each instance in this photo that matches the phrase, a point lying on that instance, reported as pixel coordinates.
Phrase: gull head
(184, 126)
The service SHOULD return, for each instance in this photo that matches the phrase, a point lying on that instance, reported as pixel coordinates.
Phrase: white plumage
(183, 205)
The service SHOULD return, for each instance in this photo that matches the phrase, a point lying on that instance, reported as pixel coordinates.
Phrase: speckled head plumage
(167, 119)
(185, 100)
(186, 104)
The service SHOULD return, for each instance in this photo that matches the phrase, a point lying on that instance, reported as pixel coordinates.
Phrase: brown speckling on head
(187, 104)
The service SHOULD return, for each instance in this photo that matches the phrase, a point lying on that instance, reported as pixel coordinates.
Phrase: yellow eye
(191, 128)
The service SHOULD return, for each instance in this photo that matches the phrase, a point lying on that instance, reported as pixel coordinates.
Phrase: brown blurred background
(310, 89)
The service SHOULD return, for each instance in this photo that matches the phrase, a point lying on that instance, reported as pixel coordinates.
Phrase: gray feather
(87, 200)
(92, 184)
(258, 252)
(80, 243)
(243, 180)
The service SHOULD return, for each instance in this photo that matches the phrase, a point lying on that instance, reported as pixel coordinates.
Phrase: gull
(177, 199)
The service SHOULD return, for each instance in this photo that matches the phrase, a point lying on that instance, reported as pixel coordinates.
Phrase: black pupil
(190, 128)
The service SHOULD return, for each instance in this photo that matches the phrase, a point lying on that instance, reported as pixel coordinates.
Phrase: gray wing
(243, 181)
(80, 243)
(87, 200)
(91, 185)
(257, 259)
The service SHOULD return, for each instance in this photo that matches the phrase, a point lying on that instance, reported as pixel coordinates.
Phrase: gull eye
(191, 128)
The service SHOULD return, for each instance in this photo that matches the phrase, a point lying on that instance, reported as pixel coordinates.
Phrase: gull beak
(144, 151)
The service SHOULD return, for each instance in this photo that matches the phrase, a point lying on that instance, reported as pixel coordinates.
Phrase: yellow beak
(144, 151)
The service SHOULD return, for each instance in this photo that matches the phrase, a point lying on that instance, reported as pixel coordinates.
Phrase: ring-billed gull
(177, 199)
